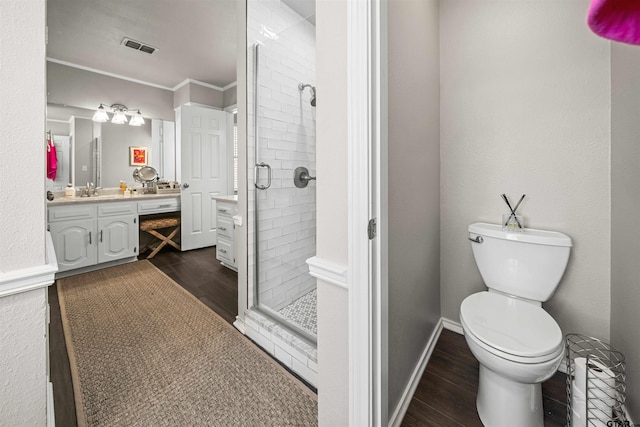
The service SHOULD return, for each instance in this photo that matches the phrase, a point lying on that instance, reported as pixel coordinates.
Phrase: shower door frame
(255, 304)
(363, 24)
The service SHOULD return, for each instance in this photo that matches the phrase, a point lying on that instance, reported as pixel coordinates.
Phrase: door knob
(185, 185)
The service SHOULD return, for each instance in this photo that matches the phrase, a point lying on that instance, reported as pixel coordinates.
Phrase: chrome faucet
(91, 189)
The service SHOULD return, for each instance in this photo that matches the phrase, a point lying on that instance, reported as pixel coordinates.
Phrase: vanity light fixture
(119, 115)
(137, 119)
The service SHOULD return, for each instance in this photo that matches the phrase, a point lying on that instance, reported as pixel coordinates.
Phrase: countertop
(229, 199)
(62, 200)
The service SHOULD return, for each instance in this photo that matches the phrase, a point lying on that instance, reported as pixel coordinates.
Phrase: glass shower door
(283, 192)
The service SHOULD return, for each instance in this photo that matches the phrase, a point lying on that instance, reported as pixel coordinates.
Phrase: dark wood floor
(198, 271)
(446, 394)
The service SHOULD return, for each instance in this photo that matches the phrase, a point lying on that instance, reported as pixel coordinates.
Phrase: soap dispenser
(70, 191)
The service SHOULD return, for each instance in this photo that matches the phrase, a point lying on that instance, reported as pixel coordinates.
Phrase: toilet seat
(510, 328)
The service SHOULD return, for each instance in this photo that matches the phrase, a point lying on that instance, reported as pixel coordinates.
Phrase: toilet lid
(510, 325)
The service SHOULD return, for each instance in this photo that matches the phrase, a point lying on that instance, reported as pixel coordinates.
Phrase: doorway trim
(368, 371)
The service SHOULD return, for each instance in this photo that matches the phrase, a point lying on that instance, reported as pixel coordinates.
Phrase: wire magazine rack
(596, 383)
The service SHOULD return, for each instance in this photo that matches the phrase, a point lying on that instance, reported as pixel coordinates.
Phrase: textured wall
(22, 149)
(22, 209)
(414, 186)
(23, 359)
(286, 128)
(525, 108)
(625, 205)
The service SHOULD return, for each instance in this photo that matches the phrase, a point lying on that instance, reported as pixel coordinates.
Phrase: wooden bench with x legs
(161, 240)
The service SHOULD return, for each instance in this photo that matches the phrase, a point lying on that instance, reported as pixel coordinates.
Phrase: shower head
(313, 92)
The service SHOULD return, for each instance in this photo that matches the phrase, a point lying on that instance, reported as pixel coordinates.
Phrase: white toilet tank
(528, 264)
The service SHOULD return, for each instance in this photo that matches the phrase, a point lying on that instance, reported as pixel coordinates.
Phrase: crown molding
(142, 82)
(105, 73)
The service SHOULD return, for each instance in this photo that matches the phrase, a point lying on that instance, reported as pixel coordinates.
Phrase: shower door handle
(256, 177)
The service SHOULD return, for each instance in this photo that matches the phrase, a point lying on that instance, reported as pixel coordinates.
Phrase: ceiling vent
(138, 45)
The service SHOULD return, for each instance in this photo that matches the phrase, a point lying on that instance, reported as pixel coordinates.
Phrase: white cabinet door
(203, 172)
(117, 237)
(74, 243)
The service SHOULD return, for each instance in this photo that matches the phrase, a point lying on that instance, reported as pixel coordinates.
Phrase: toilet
(517, 343)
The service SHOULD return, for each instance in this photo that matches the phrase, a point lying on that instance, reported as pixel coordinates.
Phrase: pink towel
(617, 20)
(52, 161)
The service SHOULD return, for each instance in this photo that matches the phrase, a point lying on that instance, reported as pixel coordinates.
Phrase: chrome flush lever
(478, 239)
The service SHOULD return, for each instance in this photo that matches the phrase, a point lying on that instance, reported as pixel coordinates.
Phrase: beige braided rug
(145, 352)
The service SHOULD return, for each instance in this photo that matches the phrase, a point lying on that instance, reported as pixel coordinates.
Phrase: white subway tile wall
(286, 130)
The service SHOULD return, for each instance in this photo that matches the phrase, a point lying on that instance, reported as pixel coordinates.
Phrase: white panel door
(203, 173)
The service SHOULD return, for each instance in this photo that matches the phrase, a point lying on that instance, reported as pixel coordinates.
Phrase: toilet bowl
(518, 346)
(517, 343)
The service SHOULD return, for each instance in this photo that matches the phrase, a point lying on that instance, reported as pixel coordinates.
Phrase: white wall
(414, 186)
(22, 237)
(525, 108)
(332, 243)
(625, 204)
(286, 129)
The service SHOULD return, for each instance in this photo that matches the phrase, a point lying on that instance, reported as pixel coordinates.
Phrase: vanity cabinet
(117, 231)
(74, 243)
(225, 247)
(92, 234)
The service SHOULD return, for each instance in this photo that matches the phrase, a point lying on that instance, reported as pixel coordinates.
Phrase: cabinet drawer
(116, 208)
(224, 251)
(65, 213)
(225, 227)
(158, 206)
(225, 209)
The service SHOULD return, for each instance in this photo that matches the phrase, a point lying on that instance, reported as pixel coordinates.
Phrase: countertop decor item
(512, 221)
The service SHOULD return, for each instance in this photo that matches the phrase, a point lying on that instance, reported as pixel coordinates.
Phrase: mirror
(94, 152)
(89, 64)
(145, 174)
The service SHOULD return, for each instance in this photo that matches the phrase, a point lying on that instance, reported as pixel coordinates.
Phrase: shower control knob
(301, 177)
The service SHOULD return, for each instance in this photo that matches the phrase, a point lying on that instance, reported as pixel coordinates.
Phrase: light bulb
(137, 119)
(119, 118)
(100, 115)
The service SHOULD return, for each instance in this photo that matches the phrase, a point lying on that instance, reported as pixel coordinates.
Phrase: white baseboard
(452, 326)
(398, 414)
(51, 413)
(239, 324)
